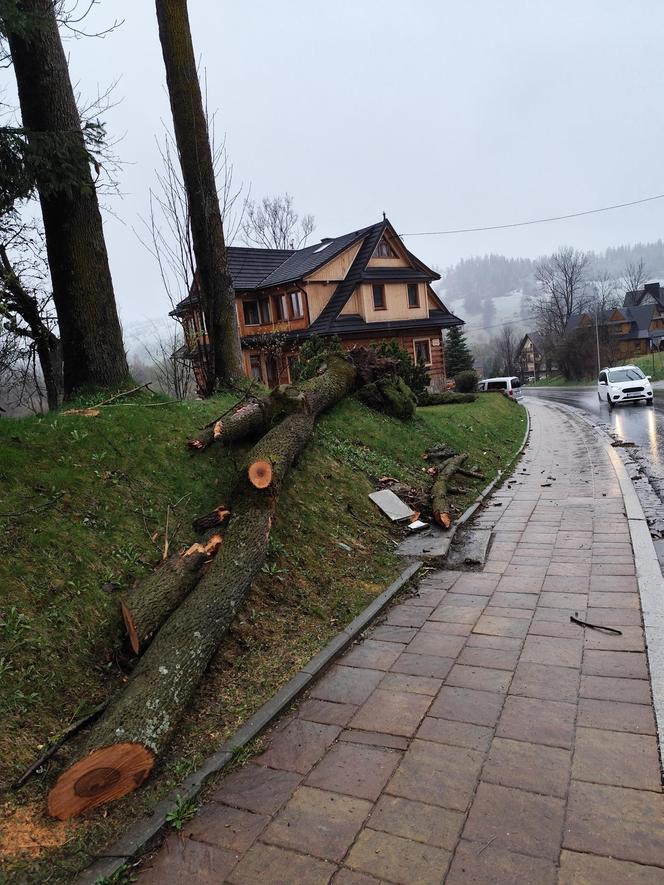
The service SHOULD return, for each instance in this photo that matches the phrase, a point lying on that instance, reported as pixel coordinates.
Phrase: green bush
(313, 354)
(465, 382)
(448, 398)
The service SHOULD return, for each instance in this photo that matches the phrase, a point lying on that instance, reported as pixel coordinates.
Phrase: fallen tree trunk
(250, 420)
(440, 504)
(123, 745)
(471, 474)
(148, 606)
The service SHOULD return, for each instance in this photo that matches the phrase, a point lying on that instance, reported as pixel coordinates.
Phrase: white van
(510, 386)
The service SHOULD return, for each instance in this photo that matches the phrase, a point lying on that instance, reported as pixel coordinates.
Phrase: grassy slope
(87, 501)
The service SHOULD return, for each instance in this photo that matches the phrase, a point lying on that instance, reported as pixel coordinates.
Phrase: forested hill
(474, 283)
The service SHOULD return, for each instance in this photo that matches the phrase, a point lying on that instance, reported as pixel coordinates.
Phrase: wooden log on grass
(440, 492)
(251, 419)
(124, 744)
(149, 604)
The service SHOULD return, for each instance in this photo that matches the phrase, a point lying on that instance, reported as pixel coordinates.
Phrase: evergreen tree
(458, 357)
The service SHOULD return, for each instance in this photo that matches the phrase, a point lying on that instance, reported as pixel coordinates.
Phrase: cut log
(148, 606)
(260, 474)
(251, 419)
(111, 771)
(145, 714)
(216, 517)
(471, 474)
(440, 503)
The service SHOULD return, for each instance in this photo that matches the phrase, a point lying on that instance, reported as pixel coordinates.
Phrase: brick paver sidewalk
(477, 736)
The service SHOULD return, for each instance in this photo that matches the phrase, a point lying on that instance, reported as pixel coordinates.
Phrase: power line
(470, 230)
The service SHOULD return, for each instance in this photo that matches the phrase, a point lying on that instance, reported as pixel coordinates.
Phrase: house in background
(652, 293)
(625, 332)
(534, 358)
(364, 287)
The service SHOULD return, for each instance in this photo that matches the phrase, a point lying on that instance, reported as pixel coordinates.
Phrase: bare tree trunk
(47, 344)
(192, 138)
(90, 332)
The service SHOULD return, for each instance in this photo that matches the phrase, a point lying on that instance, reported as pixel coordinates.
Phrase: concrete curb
(469, 512)
(648, 576)
(142, 835)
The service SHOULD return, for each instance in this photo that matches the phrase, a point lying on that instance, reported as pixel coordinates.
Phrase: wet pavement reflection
(633, 422)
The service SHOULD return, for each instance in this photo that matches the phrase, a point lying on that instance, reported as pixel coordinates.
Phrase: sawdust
(26, 830)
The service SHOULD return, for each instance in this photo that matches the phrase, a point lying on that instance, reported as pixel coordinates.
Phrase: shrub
(445, 399)
(313, 354)
(465, 382)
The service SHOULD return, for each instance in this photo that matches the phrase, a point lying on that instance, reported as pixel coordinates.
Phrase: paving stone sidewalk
(476, 736)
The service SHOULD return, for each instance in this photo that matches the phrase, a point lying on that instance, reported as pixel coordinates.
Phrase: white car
(621, 384)
(508, 385)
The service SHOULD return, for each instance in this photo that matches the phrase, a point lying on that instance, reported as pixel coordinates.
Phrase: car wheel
(599, 397)
(651, 401)
(608, 399)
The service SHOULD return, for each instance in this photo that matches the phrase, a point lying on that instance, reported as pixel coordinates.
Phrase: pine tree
(458, 357)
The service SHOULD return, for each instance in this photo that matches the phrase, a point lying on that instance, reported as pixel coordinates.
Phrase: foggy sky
(443, 113)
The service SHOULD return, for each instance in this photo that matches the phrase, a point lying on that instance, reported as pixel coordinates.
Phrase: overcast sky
(443, 113)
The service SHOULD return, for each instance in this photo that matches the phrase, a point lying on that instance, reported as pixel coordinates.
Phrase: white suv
(622, 383)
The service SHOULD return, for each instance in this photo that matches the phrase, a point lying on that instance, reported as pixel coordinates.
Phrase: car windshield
(632, 374)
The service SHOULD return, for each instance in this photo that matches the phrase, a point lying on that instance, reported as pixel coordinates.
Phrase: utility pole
(599, 361)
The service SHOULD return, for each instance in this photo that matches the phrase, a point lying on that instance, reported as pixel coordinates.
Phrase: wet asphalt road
(633, 422)
(641, 424)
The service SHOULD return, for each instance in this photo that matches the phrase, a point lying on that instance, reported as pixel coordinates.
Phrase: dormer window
(384, 250)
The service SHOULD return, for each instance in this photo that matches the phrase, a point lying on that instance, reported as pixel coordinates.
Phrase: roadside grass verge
(83, 507)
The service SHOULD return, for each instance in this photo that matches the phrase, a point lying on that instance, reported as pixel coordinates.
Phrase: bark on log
(251, 420)
(123, 745)
(440, 503)
(148, 606)
(210, 520)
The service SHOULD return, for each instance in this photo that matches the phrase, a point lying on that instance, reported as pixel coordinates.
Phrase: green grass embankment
(83, 509)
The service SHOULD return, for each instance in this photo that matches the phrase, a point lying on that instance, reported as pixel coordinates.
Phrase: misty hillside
(492, 288)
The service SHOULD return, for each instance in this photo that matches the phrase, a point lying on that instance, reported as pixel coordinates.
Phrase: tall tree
(90, 332)
(562, 290)
(193, 143)
(274, 224)
(458, 357)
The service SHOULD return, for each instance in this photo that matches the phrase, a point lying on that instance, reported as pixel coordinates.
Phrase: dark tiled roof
(249, 267)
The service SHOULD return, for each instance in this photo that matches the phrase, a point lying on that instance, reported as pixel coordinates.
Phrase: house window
(281, 308)
(255, 366)
(413, 295)
(251, 313)
(422, 351)
(379, 296)
(264, 310)
(296, 304)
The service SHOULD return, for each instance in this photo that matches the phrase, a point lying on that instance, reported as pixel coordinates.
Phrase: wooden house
(364, 287)
(625, 332)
